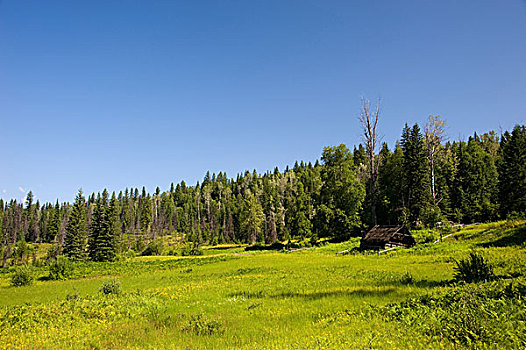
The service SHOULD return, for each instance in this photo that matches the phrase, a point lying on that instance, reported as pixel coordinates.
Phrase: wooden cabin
(383, 237)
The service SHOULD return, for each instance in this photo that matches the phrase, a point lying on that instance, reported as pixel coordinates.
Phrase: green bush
(112, 286)
(60, 268)
(425, 235)
(473, 269)
(23, 276)
(191, 250)
(21, 252)
(130, 253)
(155, 247)
(407, 278)
(51, 253)
(202, 325)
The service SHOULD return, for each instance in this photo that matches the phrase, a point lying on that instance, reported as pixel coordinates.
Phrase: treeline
(421, 182)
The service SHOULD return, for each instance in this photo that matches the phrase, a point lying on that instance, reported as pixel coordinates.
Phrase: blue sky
(120, 94)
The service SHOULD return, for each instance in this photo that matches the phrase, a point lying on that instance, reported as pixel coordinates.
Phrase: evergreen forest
(425, 180)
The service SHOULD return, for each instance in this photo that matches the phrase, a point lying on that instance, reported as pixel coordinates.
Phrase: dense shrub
(60, 268)
(155, 247)
(112, 286)
(473, 269)
(23, 276)
(191, 250)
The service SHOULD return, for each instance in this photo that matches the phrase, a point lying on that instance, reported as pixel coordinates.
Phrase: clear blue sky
(117, 94)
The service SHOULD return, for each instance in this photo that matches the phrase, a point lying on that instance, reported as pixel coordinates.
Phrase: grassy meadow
(230, 298)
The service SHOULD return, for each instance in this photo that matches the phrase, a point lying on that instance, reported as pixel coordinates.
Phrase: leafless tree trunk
(369, 121)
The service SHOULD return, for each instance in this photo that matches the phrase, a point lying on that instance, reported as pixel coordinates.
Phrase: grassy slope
(305, 299)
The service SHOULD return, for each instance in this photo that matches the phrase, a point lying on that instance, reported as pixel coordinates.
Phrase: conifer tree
(102, 244)
(145, 211)
(115, 223)
(55, 222)
(301, 225)
(390, 184)
(512, 172)
(417, 185)
(75, 241)
(476, 182)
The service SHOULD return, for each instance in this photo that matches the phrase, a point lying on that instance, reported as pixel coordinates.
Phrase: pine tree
(75, 241)
(103, 241)
(390, 185)
(301, 225)
(114, 211)
(476, 182)
(145, 211)
(512, 172)
(417, 184)
(55, 222)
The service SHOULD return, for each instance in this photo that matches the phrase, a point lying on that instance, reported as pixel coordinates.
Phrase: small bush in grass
(60, 268)
(407, 278)
(73, 296)
(202, 325)
(23, 276)
(112, 286)
(473, 269)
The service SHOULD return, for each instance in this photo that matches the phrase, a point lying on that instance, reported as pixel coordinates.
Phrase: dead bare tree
(434, 135)
(369, 121)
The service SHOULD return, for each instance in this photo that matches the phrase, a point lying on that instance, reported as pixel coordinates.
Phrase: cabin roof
(383, 232)
(380, 235)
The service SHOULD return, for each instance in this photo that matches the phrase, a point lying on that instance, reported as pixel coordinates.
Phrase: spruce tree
(477, 182)
(145, 211)
(301, 225)
(512, 172)
(417, 184)
(114, 212)
(54, 224)
(103, 243)
(75, 241)
(390, 184)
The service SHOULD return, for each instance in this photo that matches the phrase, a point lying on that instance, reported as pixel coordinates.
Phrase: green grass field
(310, 299)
